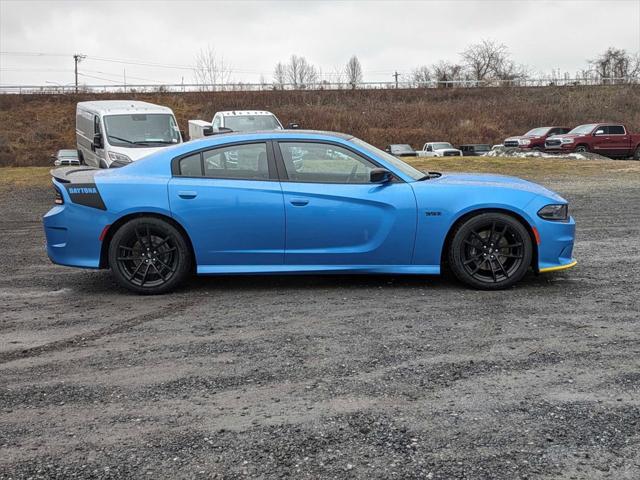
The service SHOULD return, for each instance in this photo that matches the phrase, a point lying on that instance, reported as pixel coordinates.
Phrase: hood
(138, 153)
(523, 137)
(567, 135)
(481, 180)
(446, 150)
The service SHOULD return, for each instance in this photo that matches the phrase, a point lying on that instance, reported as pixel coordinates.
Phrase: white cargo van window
(141, 130)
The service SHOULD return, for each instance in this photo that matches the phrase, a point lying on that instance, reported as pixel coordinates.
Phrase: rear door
(618, 144)
(230, 201)
(335, 215)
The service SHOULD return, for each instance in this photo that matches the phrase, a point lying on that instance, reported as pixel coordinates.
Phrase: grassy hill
(32, 127)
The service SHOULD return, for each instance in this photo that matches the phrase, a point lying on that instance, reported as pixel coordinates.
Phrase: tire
(490, 251)
(636, 154)
(149, 256)
(581, 149)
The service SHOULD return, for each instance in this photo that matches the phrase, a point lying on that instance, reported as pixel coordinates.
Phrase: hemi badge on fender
(432, 214)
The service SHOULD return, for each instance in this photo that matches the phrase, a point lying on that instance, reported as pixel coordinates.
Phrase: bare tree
(615, 65)
(300, 73)
(279, 76)
(210, 71)
(353, 71)
(338, 76)
(447, 73)
(482, 60)
(421, 76)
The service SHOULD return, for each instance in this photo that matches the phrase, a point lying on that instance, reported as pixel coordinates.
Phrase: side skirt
(317, 269)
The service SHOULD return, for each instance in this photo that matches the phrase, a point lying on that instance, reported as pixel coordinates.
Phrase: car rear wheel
(582, 149)
(490, 251)
(150, 256)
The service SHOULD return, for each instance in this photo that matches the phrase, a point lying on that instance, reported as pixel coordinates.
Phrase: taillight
(58, 200)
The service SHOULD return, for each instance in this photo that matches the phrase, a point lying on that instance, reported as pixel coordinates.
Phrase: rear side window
(248, 162)
(615, 130)
(191, 166)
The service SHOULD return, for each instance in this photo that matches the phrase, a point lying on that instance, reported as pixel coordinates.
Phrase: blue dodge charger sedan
(300, 202)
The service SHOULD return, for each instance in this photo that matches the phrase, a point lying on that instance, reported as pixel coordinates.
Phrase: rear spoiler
(82, 174)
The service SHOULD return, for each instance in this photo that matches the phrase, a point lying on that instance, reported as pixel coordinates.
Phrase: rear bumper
(73, 232)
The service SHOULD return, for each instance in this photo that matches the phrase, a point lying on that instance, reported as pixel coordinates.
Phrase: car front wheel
(490, 251)
(149, 255)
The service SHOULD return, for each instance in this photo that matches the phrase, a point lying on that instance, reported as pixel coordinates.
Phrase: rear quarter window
(191, 166)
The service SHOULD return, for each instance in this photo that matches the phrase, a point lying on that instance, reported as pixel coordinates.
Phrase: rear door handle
(187, 194)
(299, 202)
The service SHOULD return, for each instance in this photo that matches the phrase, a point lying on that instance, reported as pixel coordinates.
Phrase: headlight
(119, 157)
(557, 213)
(524, 141)
(567, 140)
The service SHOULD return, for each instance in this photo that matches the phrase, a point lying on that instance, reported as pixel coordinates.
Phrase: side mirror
(206, 131)
(97, 142)
(599, 132)
(380, 175)
(293, 125)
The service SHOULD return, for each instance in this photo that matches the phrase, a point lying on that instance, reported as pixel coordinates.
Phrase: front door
(231, 203)
(336, 216)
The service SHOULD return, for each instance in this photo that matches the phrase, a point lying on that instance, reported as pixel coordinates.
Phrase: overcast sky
(254, 35)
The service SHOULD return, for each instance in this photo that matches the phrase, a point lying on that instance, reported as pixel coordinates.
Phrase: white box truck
(113, 133)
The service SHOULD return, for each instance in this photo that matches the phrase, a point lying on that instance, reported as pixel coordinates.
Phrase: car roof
(231, 113)
(122, 106)
(284, 134)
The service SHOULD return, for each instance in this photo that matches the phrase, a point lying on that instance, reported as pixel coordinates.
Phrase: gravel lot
(325, 377)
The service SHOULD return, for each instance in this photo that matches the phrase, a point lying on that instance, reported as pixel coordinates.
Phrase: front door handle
(187, 194)
(299, 202)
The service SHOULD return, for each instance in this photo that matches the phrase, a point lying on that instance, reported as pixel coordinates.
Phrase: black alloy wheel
(149, 255)
(490, 251)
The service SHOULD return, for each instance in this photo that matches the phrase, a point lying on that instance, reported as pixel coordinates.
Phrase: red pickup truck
(608, 139)
(534, 139)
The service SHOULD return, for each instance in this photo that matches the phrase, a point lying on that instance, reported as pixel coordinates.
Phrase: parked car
(534, 139)
(112, 133)
(343, 207)
(608, 139)
(401, 150)
(65, 158)
(474, 149)
(235, 121)
(439, 149)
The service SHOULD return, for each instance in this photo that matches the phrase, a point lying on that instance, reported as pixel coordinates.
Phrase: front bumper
(555, 250)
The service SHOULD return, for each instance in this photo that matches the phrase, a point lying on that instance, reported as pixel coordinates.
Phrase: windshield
(581, 129)
(441, 146)
(251, 123)
(139, 130)
(387, 157)
(402, 148)
(537, 132)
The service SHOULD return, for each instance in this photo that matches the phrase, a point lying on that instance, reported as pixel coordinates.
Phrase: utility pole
(396, 75)
(77, 58)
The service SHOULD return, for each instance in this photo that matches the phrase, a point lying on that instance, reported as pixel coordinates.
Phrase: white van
(112, 133)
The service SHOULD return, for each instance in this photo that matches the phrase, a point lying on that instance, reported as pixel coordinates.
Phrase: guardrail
(230, 87)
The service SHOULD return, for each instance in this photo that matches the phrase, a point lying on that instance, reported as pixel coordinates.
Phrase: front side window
(324, 163)
(405, 168)
(141, 130)
(248, 162)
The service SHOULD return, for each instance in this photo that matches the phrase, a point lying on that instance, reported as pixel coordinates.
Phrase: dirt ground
(326, 377)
